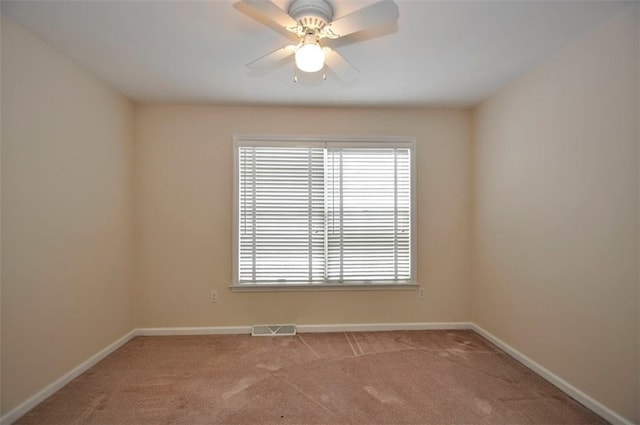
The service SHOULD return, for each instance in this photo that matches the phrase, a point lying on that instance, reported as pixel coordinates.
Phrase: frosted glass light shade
(310, 57)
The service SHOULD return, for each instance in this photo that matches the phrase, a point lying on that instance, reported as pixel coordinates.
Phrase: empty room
(319, 212)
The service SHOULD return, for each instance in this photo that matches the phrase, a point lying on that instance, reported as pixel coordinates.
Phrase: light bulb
(310, 57)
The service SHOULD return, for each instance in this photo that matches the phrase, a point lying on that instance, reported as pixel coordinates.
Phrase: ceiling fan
(311, 21)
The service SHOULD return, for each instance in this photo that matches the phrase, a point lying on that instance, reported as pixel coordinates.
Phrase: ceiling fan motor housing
(311, 14)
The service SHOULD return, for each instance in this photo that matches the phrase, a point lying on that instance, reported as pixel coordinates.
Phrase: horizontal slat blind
(324, 214)
(369, 216)
(281, 214)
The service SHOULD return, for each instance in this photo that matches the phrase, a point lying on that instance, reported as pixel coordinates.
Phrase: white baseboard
(15, 413)
(205, 330)
(46, 392)
(355, 327)
(563, 385)
(372, 327)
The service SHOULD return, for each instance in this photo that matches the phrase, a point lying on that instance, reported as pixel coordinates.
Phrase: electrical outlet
(421, 293)
(213, 297)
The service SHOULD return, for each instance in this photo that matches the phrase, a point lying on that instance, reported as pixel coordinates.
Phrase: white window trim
(340, 141)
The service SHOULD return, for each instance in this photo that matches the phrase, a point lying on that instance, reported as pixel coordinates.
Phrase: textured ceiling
(438, 54)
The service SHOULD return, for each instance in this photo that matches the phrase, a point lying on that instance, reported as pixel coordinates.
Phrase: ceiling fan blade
(272, 58)
(338, 64)
(273, 12)
(367, 17)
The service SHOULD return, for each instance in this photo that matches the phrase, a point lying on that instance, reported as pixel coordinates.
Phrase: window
(324, 212)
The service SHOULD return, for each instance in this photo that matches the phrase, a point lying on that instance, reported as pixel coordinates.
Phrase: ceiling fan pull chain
(295, 73)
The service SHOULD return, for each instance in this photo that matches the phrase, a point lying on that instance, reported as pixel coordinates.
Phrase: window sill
(303, 287)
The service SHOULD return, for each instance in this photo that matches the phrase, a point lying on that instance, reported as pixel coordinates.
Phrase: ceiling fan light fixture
(310, 56)
(311, 21)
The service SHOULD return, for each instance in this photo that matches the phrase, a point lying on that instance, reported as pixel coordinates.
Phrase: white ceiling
(439, 54)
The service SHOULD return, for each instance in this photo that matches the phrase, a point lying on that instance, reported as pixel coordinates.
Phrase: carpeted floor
(404, 377)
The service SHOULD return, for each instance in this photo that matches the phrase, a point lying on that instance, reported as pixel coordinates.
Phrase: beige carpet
(407, 377)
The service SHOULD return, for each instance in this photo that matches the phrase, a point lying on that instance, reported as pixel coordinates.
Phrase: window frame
(337, 141)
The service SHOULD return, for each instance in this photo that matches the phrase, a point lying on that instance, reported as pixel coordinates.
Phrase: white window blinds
(332, 213)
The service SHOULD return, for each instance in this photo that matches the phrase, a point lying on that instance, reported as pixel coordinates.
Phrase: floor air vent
(273, 330)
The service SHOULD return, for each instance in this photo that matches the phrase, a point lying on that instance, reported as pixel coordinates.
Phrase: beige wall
(67, 215)
(555, 240)
(545, 200)
(184, 162)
